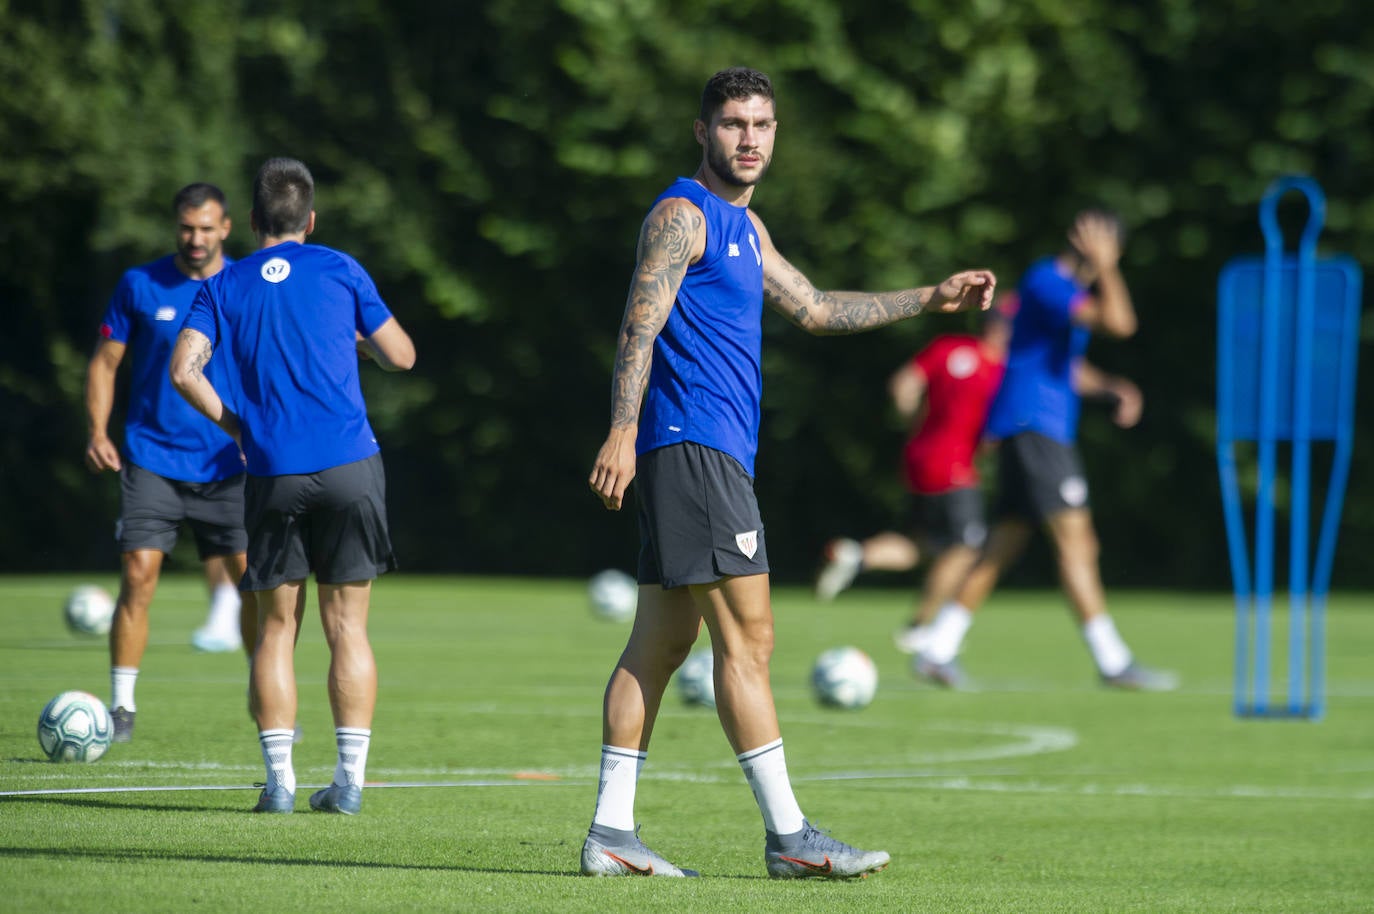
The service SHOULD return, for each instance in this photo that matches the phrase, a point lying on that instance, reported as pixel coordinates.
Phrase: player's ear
(699, 131)
(310, 226)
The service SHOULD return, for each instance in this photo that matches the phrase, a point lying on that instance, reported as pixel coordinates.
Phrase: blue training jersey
(286, 320)
(1037, 393)
(162, 432)
(706, 382)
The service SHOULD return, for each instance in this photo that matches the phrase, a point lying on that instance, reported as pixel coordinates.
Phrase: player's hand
(1130, 405)
(971, 290)
(614, 467)
(1097, 238)
(101, 454)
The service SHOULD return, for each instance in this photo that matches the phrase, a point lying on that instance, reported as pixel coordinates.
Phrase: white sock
(353, 744)
(224, 609)
(766, 770)
(1109, 652)
(615, 792)
(276, 755)
(122, 679)
(947, 633)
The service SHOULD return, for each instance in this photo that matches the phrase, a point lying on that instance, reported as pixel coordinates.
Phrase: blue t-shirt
(286, 321)
(705, 382)
(1037, 392)
(162, 432)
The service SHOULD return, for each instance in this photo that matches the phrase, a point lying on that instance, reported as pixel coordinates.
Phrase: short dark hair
(194, 196)
(283, 197)
(733, 83)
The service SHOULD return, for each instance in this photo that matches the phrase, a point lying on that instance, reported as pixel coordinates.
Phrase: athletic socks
(615, 792)
(766, 770)
(224, 609)
(1110, 653)
(122, 679)
(947, 633)
(276, 755)
(353, 743)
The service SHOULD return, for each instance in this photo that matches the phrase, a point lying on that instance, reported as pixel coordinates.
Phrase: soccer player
(943, 393)
(176, 466)
(691, 337)
(292, 321)
(1062, 300)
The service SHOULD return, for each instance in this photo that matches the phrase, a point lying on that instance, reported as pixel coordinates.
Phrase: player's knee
(753, 650)
(140, 577)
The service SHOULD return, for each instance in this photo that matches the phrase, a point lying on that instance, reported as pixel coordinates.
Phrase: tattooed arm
(792, 295)
(672, 238)
(189, 358)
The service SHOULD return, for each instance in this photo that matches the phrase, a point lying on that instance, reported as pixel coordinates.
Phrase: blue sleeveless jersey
(286, 320)
(705, 381)
(163, 433)
(1037, 392)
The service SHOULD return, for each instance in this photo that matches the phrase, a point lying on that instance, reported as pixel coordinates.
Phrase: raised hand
(971, 290)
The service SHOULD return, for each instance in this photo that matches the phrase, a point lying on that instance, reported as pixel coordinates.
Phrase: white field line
(1018, 741)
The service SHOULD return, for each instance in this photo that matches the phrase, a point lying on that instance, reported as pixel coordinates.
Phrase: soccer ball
(844, 677)
(89, 610)
(75, 727)
(613, 594)
(696, 678)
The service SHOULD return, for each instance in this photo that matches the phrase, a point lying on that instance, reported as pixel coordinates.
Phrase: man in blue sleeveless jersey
(176, 466)
(691, 337)
(292, 321)
(1062, 300)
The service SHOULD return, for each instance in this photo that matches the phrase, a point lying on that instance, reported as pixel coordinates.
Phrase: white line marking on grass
(1233, 791)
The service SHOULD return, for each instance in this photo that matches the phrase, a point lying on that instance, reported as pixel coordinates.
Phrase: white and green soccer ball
(89, 610)
(613, 595)
(75, 727)
(696, 678)
(844, 677)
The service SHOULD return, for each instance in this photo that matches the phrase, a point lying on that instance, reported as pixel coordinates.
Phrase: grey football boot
(618, 852)
(812, 854)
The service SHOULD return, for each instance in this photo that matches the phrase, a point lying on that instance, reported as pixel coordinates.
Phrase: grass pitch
(1037, 790)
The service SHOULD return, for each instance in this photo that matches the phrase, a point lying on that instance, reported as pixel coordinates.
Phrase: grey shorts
(698, 517)
(1038, 477)
(152, 509)
(953, 518)
(332, 523)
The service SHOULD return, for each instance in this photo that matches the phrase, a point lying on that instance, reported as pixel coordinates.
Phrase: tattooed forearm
(851, 312)
(668, 243)
(792, 294)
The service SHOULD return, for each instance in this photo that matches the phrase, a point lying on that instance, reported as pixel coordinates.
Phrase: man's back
(287, 317)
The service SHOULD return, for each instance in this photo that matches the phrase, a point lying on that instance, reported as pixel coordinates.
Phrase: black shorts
(152, 508)
(698, 517)
(332, 523)
(953, 518)
(1039, 477)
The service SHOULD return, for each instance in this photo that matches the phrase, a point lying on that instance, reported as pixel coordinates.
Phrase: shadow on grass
(127, 854)
(124, 855)
(88, 802)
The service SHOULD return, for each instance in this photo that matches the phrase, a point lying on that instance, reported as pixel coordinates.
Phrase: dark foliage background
(490, 163)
